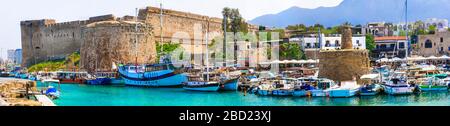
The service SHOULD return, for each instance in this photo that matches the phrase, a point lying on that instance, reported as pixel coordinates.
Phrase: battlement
(155, 10)
(67, 24)
(41, 22)
(108, 17)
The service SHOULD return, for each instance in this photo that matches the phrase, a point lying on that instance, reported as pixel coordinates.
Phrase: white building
(441, 24)
(329, 42)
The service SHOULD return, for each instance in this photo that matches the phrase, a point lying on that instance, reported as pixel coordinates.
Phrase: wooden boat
(67, 77)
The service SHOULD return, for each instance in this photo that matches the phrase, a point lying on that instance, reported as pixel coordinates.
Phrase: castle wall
(176, 21)
(114, 41)
(44, 40)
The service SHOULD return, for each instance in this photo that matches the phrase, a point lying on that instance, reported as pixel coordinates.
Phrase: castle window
(442, 39)
(428, 44)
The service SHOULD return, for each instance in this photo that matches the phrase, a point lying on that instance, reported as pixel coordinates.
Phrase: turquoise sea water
(88, 95)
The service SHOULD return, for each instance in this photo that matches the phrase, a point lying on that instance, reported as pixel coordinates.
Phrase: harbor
(91, 95)
(150, 59)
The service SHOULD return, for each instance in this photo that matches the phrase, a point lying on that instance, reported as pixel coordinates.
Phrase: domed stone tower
(346, 63)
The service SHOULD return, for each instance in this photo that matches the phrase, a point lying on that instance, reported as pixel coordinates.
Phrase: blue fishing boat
(154, 75)
(230, 84)
(302, 90)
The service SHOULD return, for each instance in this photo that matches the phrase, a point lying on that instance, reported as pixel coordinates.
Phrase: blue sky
(14, 11)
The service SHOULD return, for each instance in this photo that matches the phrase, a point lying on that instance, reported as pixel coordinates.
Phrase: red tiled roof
(390, 38)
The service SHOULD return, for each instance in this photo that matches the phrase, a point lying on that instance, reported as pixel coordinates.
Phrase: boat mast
(161, 27)
(136, 40)
(407, 38)
(207, 52)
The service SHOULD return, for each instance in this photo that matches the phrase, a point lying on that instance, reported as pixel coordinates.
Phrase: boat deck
(45, 100)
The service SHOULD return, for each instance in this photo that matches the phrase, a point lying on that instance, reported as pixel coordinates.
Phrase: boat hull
(202, 87)
(231, 85)
(342, 93)
(98, 81)
(71, 81)
(264, 92)
(116, 81)
(433, 88)
(300, 93)
(175, 80)
(281, 93)
(392, 90)
(319, 93)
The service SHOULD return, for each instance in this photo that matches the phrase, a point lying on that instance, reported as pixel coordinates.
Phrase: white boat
(347, 89)
(209, 86)
(397, 85)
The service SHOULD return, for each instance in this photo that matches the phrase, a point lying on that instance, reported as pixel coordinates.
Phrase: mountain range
(358, 12)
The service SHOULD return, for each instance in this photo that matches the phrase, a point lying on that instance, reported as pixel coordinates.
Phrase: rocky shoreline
(18, 92)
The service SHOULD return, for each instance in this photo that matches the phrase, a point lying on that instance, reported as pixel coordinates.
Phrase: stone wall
(177, 21)
(343, 65)
(44, 40)
(114, 41)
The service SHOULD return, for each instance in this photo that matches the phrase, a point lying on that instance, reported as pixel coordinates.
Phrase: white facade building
(330, 42)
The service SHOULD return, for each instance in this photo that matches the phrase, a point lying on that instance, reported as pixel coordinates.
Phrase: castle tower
(346, 63)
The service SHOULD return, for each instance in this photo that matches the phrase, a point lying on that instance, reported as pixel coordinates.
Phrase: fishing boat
(346, 89)
(265, 89)
(397, 85)
(69, 77)
(51, 91)
(201, 83)
(371, 85)
(229, 84)
(435, 84)
(152, 75)
(302, 89)
(321, 87)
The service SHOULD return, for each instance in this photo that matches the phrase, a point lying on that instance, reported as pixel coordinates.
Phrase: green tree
(168, 48)
(431, 29)
(370, 43)
(291, 51)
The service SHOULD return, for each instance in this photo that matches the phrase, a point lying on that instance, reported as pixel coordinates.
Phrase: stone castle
(103, 40)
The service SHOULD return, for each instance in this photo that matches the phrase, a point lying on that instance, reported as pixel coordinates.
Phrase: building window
(357, 43)
(392, 46)
(428, 44)
(327, 43)
(308, 45)
(383, 46)
(442, 39)
(337, 43)
(401, 45)
(442, 49)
